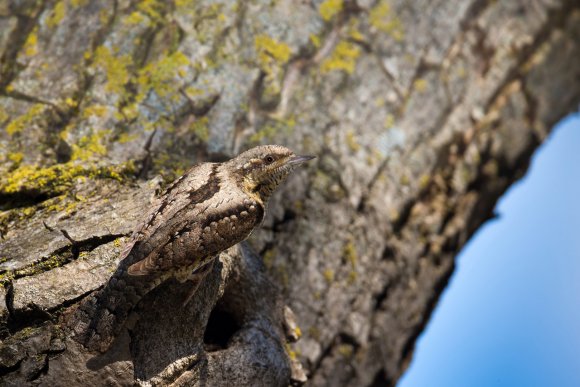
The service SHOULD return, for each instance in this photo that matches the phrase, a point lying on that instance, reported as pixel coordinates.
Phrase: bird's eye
(269, 159)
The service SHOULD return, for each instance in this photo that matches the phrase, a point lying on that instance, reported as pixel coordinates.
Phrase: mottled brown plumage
(207, 210)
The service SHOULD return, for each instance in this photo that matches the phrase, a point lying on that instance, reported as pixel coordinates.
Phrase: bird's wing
(195, 185)
(232, 222)
(210, 227)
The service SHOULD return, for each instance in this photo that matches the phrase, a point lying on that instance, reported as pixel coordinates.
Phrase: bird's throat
(253, 190)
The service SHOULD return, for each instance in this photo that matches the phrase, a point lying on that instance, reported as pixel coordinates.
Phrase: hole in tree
(220, 329)
(381, 380)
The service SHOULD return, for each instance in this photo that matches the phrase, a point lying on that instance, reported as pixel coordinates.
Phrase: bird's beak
(297, 160)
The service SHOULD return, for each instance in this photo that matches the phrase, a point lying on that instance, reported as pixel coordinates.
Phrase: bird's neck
(255, 190)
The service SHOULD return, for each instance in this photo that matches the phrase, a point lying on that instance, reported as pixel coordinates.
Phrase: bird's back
(203, 213)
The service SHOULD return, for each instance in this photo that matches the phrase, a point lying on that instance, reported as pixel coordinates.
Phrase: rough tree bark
(422, 114)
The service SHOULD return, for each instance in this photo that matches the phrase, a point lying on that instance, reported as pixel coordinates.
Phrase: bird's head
(263, 168)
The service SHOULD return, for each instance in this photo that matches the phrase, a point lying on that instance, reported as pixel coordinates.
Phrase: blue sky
(511, 313)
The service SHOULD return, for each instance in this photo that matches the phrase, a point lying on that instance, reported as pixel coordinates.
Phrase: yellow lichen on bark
(343, 58)
(330, 8)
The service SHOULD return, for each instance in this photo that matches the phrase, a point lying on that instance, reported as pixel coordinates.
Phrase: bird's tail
(100, 318)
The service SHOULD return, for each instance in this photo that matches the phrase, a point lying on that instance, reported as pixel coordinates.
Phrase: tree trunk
(422, 114)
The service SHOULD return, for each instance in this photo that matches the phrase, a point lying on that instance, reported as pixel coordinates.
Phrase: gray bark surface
(421, 114)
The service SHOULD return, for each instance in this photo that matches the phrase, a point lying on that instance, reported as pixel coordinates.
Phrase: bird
(209, 209)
